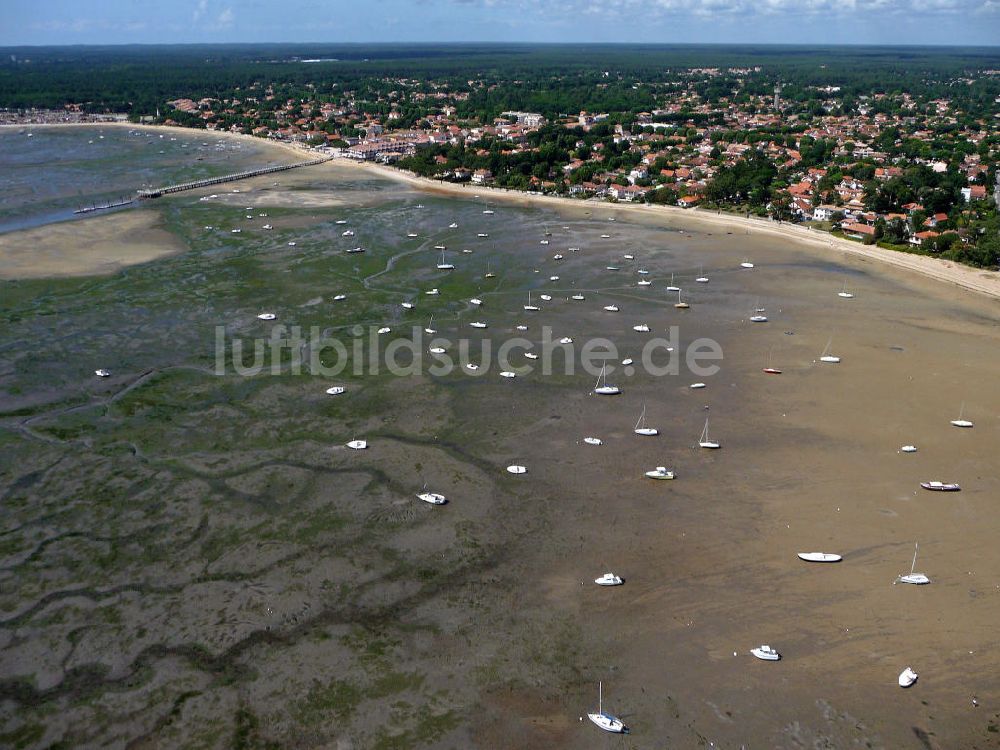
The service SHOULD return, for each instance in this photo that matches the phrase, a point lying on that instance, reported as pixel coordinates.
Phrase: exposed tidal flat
(194, 560)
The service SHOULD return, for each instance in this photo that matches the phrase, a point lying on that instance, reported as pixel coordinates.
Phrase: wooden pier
(157, 192)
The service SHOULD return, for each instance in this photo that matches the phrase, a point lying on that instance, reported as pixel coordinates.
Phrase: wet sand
(511, 636)
(102, 245)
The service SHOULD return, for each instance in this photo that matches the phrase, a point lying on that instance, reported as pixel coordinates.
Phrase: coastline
(966, 277)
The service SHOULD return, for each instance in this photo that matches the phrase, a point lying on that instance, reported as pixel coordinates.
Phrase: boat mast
(913, 565)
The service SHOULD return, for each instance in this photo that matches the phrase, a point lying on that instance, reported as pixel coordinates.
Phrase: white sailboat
(820, 557)
(680, 304)
(266, 316)
(434, 498)
(593, 441)
(918, 579)
(644, 282)
(961, 421)
(517, 469)
(704, 440)
(602, 388)
(758, 315)
(844, 294)
(604, 721)
(702, 278)
(357, 445)
(826, 356)
(335, 390)
(442, 266)
(430, 329)
(746, 264)
(641, 428)
(611, 308)
(673, 288)
(530, 307)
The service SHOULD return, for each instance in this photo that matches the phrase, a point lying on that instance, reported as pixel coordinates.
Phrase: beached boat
(936, 486)
(918, 579)
(335, 390)
(660, 472)
(602, 388)
(820, 557)
(704, 441)
(907, 677)
(696, 386)
(434, 498)
(765, 653)
(641, 428)
(604, 721)
(961, 421)
(357, 445)
(609, 579)
(826, 356)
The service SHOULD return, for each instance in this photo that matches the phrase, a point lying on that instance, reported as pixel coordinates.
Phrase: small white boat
(820, 557)
(432, 292)
(961, 421)
(339, 297)
(557, 256)
(907, 677)
(434, 498)
(475, 301)
(642, 272)
(626, 362)
(565, 340)
(357, 445)
(605, 236)
(235, 231)
(611, 308)
(593, 441)
(478, 324)
(488, 212)
(672, 287)
(102, 373)
(430, 327)
(516, 469)
(354, 250)
(267, 226)
(471, 367)
(918, 579)
(341, 221)
(604, 721)
(437, 350)
(508, 374)
(765, 653)
(908, 449)
(628, 256)
(746, 264)
(680, 304)
(704, 441)
(936, 486)
(407, 305)
(529, 355)
(609, 579)
(530, 307)
(411, 235)
(266, 316)
(827, 357)
(543, 242)
(641, 328)
(348, 233)
(384, 329)
(522, 328)
(702, 278)
(641, 428)
(440, 247)
(466, 251)
(578, 297)
(453, 225)
(644, 282)
(482, 234)
(611, 268)
(291, 244)
(844, 294)
(545, 297)
(696, 386)
(660, 472)
(335, 390)
(758, 318)
(602, 388)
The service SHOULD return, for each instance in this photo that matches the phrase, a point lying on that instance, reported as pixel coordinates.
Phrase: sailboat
(611, 308)
(602, 388)
(442, 266)
(703, 441)
(357, 445)
(430, 327)
(826, 356)
(746, 264)
(434, 498)
(517, 469)
(843, 293)
(644, 282)
(702, 278)
(758, 315)
(680, 305)
(820, 557)
(643, 429)
(915, 578)
(489, 273)
(771, 370)
(604, 721)
(961, 422)
(673, 288)
(530, 307)
(335, 390)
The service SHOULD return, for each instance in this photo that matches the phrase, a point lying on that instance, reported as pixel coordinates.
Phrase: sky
(53, 22)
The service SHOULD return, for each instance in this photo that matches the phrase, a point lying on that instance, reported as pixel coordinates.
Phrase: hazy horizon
(841, 22)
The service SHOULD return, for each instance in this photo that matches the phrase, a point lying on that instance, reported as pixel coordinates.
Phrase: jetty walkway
(157, 192)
